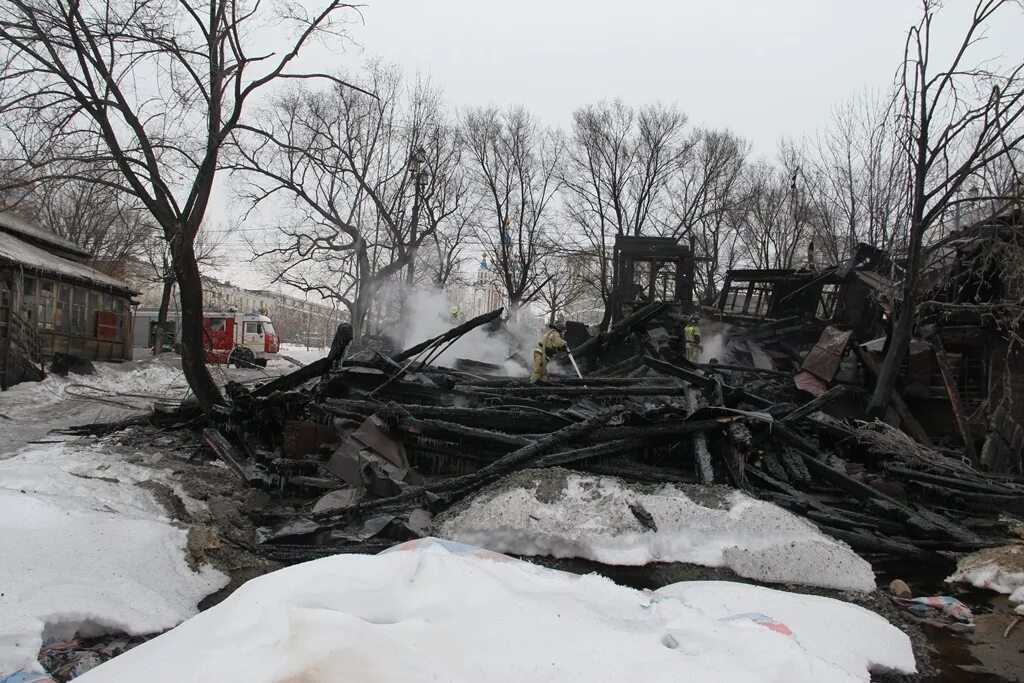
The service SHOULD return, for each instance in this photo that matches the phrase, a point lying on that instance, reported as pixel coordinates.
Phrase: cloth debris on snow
(430, 609)
(941, 611)
(564, 514)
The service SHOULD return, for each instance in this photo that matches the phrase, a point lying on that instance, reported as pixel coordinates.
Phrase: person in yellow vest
(456, 313)
(550, 344)
(692, 337)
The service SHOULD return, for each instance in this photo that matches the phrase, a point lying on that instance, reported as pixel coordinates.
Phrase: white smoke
(428, 313)
(716, 335)
(714, 347)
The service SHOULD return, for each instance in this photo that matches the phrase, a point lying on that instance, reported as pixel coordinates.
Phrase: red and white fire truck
(242, 339)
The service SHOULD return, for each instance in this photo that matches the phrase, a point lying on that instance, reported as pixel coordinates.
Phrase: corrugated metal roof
(12, 222)
(32, 257)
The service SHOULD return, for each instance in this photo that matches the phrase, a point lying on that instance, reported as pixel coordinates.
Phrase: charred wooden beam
(910, 424)
(441, 427)
(865, 543)
(619, 330)
(512, 382)
(949, 381)
(620, 368)
(511, 420)
(830, 396)
(728, 369)
(705, 382)
(963, 483)
(589, 392)
(460, 485)
(931, 525)
(226, 452)
(293, 379)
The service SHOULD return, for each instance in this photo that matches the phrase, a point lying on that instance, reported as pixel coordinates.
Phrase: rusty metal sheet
(823, 360)
(370, 459)
(805, 381)
(303, 438)
(373, 437)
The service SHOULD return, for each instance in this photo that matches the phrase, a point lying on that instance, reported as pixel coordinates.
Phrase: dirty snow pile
(563, 514)
(998, 569)
(86, 550)
(431, 610)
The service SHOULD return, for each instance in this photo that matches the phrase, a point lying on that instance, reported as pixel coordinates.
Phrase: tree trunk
(898, 343)
(161, 318)
(514, 305)
(190, 293)
(899, 346)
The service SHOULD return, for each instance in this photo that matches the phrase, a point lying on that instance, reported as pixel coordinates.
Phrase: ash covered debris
(361, 450)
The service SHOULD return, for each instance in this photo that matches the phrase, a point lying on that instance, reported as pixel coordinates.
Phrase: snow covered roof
(13, 223)
(32, 257)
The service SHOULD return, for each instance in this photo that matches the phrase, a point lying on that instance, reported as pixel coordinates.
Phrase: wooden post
(954, 396)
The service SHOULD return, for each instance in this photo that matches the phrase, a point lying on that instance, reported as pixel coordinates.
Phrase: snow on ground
(999, 569)
(31, 409)
(300, 353)
(563, 514)
(431, 610)
(85, 549)
(845, 635)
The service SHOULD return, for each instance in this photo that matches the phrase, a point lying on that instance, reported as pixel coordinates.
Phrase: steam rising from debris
(714, 347)
(429, 313)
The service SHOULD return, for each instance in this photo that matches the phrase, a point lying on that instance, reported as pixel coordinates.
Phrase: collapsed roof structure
(359, 452)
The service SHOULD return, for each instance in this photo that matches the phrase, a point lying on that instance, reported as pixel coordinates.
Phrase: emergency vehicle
(228, 336)
(239, 338)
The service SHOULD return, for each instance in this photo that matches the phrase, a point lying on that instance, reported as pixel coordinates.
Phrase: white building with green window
(52, 303)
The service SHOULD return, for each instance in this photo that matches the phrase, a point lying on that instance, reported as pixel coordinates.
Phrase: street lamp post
(418, 172)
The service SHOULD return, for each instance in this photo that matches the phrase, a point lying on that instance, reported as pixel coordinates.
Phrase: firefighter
(692, 337)
(456, 313)
(550, 344)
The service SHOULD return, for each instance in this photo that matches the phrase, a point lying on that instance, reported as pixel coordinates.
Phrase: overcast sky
(764, 68)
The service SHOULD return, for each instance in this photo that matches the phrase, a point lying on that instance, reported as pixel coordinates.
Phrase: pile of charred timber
(357, 453)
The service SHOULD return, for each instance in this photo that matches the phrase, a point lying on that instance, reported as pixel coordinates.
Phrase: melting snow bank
(563, 514)
(85, 550)
(998, 569)
(434, 610)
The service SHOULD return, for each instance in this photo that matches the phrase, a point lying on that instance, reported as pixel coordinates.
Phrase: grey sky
(764, 68)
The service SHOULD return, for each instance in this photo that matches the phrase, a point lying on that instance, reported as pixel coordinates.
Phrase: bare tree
(352, 218)
(160, 270)
(777, 219)
(618, 165)
(707, 201)
(854, 182)
(444, 259)
(101, 220)
(155, 88)
(564, 283)
(514, 161)
(951, 123)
